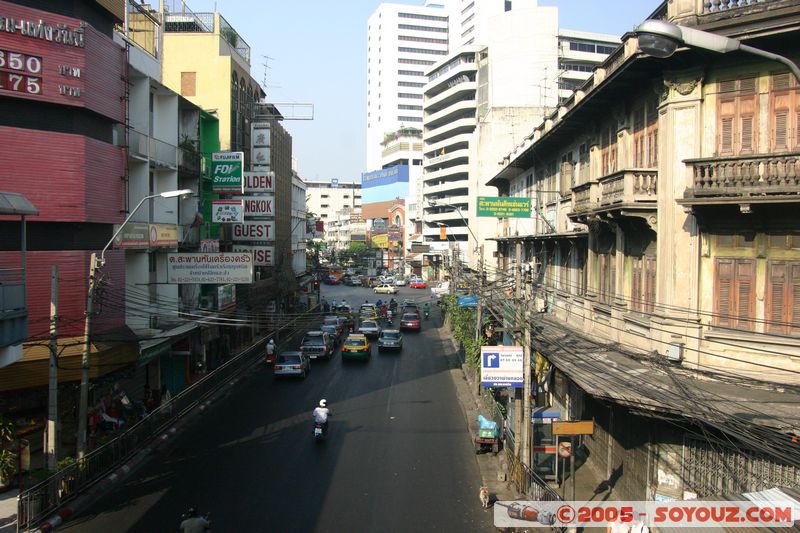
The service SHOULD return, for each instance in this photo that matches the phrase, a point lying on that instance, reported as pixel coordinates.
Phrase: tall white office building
(403, 41)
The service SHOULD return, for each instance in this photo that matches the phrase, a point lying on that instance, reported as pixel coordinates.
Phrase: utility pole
(479, 317)
(51, 446)
(521, 424)
(83, 411)
(526, 390)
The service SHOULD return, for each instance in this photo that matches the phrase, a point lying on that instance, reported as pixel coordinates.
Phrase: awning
(661, 389)
(160, 345)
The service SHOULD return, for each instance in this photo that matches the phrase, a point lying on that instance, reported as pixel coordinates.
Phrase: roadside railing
(528, 482)
(42, 500)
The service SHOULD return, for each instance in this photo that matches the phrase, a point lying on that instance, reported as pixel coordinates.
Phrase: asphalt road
(398, 456)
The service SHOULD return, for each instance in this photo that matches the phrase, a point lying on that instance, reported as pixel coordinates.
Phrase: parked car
(400, 281)
(390, 339)
(369, 328)
(294, 364)
(317, 344)
(418, 284)
(356, 347)
(410, 321)
(385, 289)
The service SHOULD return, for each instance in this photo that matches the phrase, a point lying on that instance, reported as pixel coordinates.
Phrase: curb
(156, 445)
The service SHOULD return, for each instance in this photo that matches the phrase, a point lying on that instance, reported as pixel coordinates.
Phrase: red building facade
(62, 98)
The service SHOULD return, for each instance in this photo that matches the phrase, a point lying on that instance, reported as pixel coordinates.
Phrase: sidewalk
(8, 511)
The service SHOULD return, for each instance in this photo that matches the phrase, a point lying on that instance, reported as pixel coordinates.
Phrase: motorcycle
(320, 431)
(389, 317)
(427, 315)
(205, 516)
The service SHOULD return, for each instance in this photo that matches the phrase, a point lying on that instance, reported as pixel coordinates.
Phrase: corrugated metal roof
(12, 203)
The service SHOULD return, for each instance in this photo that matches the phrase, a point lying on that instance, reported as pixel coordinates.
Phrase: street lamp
(434, 203)
(94, 264)
(660, 38)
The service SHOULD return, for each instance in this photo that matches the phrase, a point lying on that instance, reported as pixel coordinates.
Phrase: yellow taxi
(356, 346)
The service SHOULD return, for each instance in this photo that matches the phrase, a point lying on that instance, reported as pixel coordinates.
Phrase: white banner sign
(257, 206)
(227, 210)
(262, 255)
(210, 268)
(502, 366)
(260, 156)
(254, 231)
(259, 182)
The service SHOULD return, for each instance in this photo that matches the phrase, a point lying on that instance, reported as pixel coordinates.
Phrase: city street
(398, 456)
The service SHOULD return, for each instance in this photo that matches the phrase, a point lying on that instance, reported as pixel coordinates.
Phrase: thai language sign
(503, 207)
(223, 267)
(163, 235)
(133, 235)
(502, 366)
(227, 172)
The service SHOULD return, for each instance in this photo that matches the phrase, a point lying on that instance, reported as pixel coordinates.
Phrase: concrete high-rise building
(486, 97)
(324, 199)
(402, 43)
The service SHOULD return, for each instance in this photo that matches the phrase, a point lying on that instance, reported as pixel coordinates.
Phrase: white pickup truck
(440, 290)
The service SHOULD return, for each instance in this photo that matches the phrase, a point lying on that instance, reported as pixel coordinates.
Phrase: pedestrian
(166, 400)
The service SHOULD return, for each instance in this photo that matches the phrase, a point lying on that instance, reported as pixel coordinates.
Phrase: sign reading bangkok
(503, 207)
(227, 172)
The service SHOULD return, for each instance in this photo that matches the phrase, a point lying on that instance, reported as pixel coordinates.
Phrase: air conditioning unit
(539, 305)
(674, 352)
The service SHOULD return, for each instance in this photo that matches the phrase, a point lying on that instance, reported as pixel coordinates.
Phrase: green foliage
(462, 325)
(357, 247)
(8, 459)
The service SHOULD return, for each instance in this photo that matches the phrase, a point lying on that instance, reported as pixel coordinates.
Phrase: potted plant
(8, 459)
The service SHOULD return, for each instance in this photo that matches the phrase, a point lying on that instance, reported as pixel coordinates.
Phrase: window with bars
(737, 114)
(784, 112)
(734, 293)
(783, 297)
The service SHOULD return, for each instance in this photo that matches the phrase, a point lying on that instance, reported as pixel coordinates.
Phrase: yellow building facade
(208, 62)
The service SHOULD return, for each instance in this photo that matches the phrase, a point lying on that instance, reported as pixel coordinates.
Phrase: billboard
(384, 184)
(227, 172)
(262, 255)
(257, 206)
(502, 366)
(163, 235)
(210, 268)
(227, 211)
(259, 182)
(254, 231)
(503, 207)
(133, 235)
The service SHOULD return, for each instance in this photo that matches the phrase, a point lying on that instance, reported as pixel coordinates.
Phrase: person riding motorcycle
(379, 303)
(393, 305)
(193, 523)
(426, 309)
(321, 414)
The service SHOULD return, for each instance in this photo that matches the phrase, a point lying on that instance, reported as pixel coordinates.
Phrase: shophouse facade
(663, 279)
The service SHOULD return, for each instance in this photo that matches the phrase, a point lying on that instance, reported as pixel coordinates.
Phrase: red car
(418, 284)
(410, 321)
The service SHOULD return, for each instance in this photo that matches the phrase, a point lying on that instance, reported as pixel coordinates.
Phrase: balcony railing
(584, 197)
(752, 179)
(189, 161)
(628, 187)
(141, 27)
(230, 35)
(160, 153)
(716, 6)
(188, 21)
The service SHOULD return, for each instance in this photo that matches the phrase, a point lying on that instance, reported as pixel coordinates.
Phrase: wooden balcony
(744, 180)
(623, 193)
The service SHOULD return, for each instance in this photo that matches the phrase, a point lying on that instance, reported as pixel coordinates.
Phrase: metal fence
(528, 482)
(40, 501)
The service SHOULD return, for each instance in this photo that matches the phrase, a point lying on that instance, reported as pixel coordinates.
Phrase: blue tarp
(468, 301)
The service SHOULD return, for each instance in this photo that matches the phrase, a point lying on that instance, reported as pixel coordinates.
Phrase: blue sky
(318, 51)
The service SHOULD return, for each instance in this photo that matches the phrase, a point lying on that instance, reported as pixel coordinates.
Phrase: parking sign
(502, 366)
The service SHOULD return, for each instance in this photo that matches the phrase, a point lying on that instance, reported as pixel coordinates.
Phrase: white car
(385, 289)
(400, 282)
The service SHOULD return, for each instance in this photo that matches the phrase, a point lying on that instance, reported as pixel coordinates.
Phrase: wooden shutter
(746, 134)
(727, 112)
(780, 121)
(793, 298)
(636, 285)
(612, 277)
(723, 291)
(650, 284)
(745, 293)
(776, 296)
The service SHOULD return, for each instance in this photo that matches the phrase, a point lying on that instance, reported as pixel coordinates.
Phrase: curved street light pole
(95, 263)
(660, 38)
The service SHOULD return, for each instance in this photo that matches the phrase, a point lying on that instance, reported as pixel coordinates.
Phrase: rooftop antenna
(267, 59)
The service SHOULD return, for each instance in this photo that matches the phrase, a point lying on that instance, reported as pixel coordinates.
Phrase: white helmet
(323, 403)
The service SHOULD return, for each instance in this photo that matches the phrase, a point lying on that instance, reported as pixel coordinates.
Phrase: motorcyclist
(193, 523)
(379, 303)
(321, 414)
(393, 305)
(426, 309)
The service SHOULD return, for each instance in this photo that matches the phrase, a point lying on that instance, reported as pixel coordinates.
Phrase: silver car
(293, 364)
(369, 328)
(390, 339)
